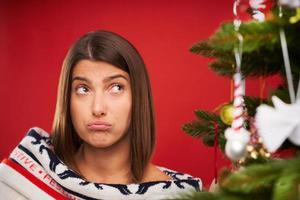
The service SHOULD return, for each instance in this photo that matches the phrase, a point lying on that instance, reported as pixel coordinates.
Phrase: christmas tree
(249, 129)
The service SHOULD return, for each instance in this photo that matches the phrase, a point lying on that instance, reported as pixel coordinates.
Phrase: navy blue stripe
(29, 153)
(16, 162)
(77, 194)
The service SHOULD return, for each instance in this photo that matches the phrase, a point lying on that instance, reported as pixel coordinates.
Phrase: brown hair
(116, 50)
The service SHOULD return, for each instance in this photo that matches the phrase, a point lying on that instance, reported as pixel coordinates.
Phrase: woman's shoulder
(37, 131)
(162, 173)
(177, 180)
(175, 175)
(36, 134)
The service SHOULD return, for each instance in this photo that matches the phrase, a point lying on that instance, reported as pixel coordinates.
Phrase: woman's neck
(108, 165)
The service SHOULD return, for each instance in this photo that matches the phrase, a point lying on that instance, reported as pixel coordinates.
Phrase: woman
(103, 133)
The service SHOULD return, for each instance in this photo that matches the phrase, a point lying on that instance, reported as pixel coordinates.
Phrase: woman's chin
(96, 142)
(98, 145)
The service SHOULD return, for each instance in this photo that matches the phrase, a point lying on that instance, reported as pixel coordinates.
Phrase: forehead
(96, 69)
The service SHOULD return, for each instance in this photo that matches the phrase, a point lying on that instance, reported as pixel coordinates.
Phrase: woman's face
(100, 103)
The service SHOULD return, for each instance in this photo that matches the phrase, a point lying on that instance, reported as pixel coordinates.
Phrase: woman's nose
(99, 105)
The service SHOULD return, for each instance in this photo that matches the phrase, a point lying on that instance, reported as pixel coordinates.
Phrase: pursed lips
(99, 126)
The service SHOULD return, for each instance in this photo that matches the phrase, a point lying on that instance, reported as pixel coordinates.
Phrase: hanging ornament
(237, 136)
(236, 145)
(277, 124)
(226, 113)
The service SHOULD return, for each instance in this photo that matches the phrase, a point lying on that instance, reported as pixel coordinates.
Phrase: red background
(35, 36)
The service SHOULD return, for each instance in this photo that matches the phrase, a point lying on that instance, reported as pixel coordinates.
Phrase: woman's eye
(117, 88)
(82, 90)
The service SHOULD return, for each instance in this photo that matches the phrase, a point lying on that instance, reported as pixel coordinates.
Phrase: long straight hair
(116, 50)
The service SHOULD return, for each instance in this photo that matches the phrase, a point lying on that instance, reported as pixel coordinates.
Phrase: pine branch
(204, 49)
(262, 55)
(277, 179)
(253, 64)
(196, 129)
(255, 35)
(207, 116)
(287, 186)
(252, 103)
(256, 179)
(204, 128)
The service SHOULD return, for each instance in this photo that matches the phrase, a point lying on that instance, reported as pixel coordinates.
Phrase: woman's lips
(99, 126)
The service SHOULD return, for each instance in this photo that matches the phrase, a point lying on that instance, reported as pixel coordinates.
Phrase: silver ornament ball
(235, 149)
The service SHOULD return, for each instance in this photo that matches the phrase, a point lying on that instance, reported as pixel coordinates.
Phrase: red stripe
(40, 184)
(237, 117)
(237, 128)
(237, 85)
(237, 96)
(238, 106)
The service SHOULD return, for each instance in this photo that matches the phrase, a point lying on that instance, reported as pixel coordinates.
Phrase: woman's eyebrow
(80, 78)
(107, 79)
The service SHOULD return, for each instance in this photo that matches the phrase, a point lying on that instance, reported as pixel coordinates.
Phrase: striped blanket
(35, 172)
